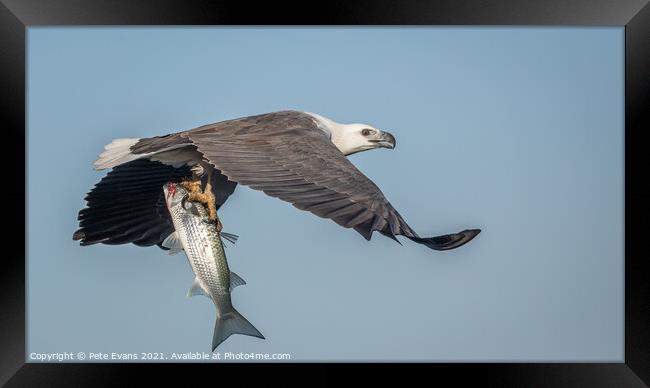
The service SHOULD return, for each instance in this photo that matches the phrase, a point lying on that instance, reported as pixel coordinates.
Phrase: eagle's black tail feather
(448, 241)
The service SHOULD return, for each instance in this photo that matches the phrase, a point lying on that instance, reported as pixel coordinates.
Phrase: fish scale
(203, 248)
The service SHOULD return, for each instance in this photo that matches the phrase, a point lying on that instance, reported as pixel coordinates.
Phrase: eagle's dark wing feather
(127, 205)
(285, 155)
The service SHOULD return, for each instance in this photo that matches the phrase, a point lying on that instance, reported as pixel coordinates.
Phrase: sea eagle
(299, 157)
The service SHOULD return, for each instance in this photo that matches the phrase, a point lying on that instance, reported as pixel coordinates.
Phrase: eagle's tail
(447, 241)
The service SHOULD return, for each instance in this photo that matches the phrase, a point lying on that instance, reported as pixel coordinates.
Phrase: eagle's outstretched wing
(285, 155)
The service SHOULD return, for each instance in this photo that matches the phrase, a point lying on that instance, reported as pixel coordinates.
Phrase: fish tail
(231, 323)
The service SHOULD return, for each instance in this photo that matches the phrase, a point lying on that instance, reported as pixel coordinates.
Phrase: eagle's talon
(191, 186)
(205, 197)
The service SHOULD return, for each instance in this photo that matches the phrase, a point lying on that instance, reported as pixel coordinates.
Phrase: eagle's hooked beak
(385, 140)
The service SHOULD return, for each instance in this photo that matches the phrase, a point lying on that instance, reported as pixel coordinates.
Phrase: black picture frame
(17, 15)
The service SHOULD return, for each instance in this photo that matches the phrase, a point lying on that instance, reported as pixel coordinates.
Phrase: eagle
(298, 157)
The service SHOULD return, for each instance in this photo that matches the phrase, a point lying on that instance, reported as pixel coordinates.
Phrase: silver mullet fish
(198, 236)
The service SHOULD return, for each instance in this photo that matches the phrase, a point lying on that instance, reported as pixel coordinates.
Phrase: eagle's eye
(366, 132)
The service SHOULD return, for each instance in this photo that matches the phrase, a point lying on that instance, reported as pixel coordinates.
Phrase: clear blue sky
(518, 131)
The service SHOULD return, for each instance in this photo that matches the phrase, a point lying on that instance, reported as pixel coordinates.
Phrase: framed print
(443, 184)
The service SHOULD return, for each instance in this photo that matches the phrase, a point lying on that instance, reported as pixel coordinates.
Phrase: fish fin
(231, 323)
(231, 238)
(196, 289)
(173, 243)
(235, 281)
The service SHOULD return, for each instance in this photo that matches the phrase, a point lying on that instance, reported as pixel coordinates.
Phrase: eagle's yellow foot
(205, 197)
(191, 186)
(212, 209)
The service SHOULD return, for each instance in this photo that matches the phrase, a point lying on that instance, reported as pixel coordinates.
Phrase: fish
(197, 235)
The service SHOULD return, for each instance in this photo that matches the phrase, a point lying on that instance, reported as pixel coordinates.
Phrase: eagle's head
(353, 138)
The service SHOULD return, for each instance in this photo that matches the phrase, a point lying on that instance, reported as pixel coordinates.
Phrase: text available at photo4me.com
(155, 356)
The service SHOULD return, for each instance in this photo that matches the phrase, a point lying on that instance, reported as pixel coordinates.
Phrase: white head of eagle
(353, 138)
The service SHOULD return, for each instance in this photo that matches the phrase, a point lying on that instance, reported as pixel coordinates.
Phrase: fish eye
(184, 204)
(366, 132)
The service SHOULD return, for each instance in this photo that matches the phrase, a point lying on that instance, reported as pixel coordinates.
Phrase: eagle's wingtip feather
(78, 235)
(448, 241)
